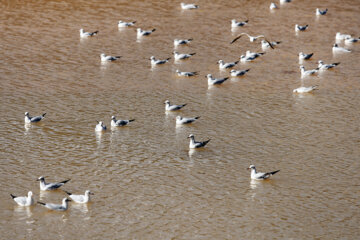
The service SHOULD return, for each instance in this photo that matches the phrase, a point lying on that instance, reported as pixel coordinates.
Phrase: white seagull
(57, 207)
(244, 58)
(29, 119)
(169, 107)
(80, 198)
(259, 175)
(224, 65)
(105, 58)
(273, 6)
(100, 126)
(189, 6)
(120, 123)
(300, 28)
(238, 73)
(181, 56)
(349, 40)
(185, 120)
(215, 81)
(50, 186)
(305, 89)
(195, 144)
(320, 12)
(155, 61)
(340, 36)
(253, 54)
(186, 74)
(323, 66)
(178, 42)
(235, 23)
(84, 34)
(305, 73)
(337, 49)
(265, 45)
(141, 32)
(122, 24)
(24, 201)
(304, 56)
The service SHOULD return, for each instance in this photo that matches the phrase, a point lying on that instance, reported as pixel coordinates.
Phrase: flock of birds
(249, 56)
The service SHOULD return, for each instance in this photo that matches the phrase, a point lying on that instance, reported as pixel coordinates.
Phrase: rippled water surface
(147, 184)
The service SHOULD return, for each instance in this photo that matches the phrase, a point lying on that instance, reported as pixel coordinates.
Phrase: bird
(238, 73)
(169, 107)
(195, 144)
(244, 58)
(235, 23)
(178, 42)
(29, 119)
(305, 73)
(320, 12)
(105, 58)
(253, 54)
(340, 36)
(141, 32)
(273, 6)
(323, 66)
(285, 1)
(349, 40)
(265, 45)
(120, 123)
(337, 49)
(84, 34)
(251, 38)
(57, 207)
(305, 89)
(259, 175)
(185, 120)
(215, 81)
(100, 126)
(224, 65)
(122, 24)
(186, 74)
(189, 6)
(50, 186)
(304, 56)
(155, 61)
(181, 56)
(80, 198)
(24, 201)
(300, 28)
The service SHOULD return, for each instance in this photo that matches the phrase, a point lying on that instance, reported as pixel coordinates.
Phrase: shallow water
(147, 184)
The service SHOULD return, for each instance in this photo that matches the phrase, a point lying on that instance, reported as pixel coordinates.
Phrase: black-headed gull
(84, 34)
(235, 23)
(224, 65)
(244, 58)
(181, 56)
(349, 40)
(169, 107)
(122, 24)
(29, 119)
(155, 61)
(57, 207)
(321, 12)
(50, 186)
(105, 58)
(215, 81)
(259, 175)
(305, 73)
(178, 42)
(120, 123)
(300, 28)
(273, 6)
(337, 49)
(185, 120)
(238, 73)
(340, 36)
(100, 126)
(80, 198)
(265, 45)
(251, 38)
(186, 74)
(24, 201)
(194, 144)
(141, 32)
(323, 66)
(189, 6)
(305, 89)
(304, 56)
(253, 54)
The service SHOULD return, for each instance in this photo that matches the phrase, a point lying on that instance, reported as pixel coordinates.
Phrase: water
(147, 184)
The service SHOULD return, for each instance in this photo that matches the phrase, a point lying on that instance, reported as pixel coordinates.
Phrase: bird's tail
(336, 63)
(41, 203)
(131, 120)
(247, 70)
(190, 39)
(153, 30)
(168, 58)
(206, 142)
(133, 22)
(236, 62)
(13, 196)
(192, 54)
(96, 32)
(65, 181)
(184, 105)
(197, 117)
(272, 173)
(117, 56)
(44, 114)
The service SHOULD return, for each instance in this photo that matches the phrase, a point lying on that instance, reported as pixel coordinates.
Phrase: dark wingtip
(131, 120)
(68, 193)
(197, 117)
(168, 58)
(13, 196)
(236, 62)
(247, 20)
(44, 114)
(41, 203)
(153, 30)
(272, 173)
(247, 70)
(192, 54)
(190, 39)
(65, 181)
(134, 22)
(336, 63)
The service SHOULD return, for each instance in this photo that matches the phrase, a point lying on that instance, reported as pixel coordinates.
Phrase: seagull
(122, 24)
(284, 1)
(50, 186)
(252, 38)
(169, 107)
(24, 201)
(105, 58)
(304, 56)
(120, 123)
(300, 28)
(141, 32)
(181, 56)
(349, 40)
(307, 72)
(80, 198)
(189, 6)
(195, 144)
(186, 74)
(57, 207)
(323, 66)
(29, 119)
(178, 42)
(340, 36)
(273, 6)
(305, 89)
(336, 48)
(253, 54)
(320, 12)
(100, 126)
(84, 34)
(215, 81)
(238, 73)
(224, 65)
(260, 176)
(155, 61)
(265, 45)
(235, 23)
(184, 120)
(244, 58)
